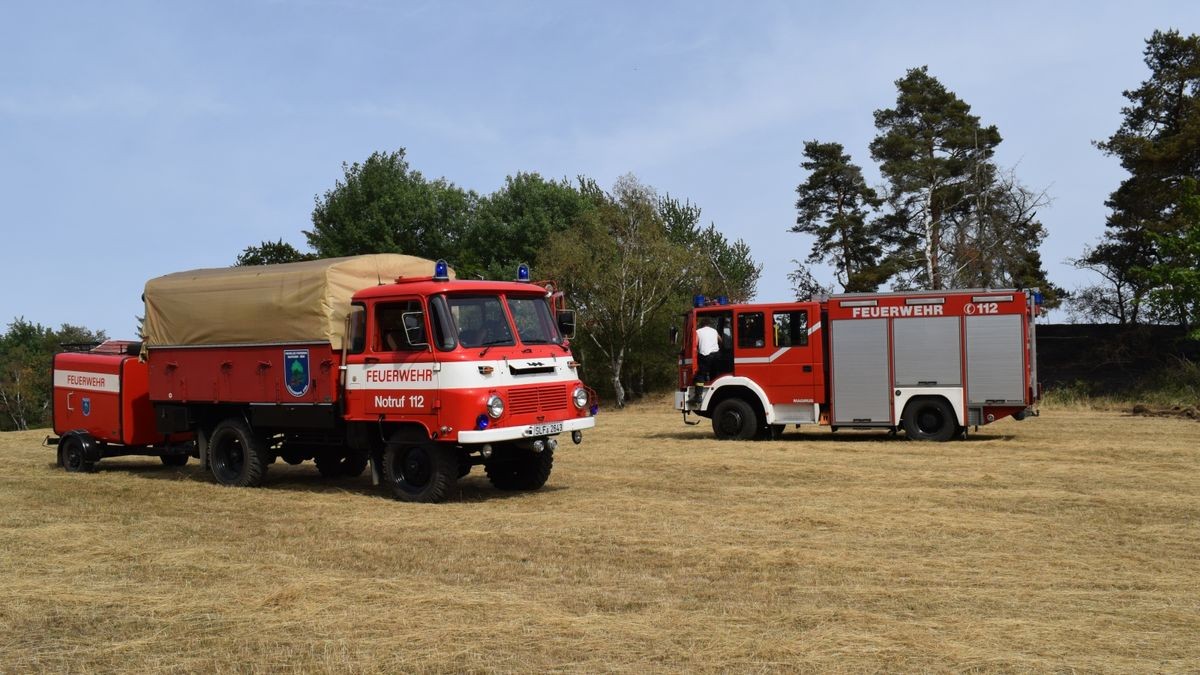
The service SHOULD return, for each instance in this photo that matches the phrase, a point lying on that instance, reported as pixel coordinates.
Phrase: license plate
(543, 429)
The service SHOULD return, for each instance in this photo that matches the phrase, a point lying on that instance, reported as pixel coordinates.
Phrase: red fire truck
(930, 362)
(346, 361)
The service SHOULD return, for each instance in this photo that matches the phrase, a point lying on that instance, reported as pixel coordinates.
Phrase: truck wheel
(929, 419)
(337, 465)
(527, 470)
(174, 460)
(72, 455)
(238, 458)
(421, 472)
(733, 418)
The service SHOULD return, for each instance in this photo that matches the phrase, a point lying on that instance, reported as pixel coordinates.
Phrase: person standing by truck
(708, 345)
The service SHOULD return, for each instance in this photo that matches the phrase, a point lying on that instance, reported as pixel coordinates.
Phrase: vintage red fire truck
(932, 363)
(381, 359)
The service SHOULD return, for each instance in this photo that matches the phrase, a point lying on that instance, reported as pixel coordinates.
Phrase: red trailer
(102, 408)
(930, 362)
(344, 362)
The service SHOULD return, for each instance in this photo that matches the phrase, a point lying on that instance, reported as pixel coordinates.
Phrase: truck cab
(769, 370)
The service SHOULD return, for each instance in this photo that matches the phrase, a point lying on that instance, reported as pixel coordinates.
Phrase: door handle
(69, 395)
(807, 369)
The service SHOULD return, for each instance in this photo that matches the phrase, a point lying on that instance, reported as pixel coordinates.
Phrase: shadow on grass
(304, 478)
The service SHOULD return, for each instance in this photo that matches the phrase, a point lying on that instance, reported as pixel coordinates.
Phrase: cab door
(774, 347)
(395, 374)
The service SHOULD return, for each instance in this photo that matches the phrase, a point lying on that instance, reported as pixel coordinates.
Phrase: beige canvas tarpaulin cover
(294, 302)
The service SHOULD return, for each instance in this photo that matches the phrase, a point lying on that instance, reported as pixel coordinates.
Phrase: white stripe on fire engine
(454, 374)
(78, 379)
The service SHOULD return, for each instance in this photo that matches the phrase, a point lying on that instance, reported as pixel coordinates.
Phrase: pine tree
(834, 206)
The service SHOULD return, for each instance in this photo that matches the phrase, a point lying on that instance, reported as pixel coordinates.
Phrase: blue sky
(142, 138)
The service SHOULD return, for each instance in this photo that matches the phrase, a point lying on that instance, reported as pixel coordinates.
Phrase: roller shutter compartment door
(995, 363)
(861, 391)
(927, 352)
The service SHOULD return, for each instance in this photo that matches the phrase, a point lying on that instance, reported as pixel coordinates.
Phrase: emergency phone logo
(295, 367)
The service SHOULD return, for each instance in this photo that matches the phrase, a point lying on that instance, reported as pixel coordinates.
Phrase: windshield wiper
(492, 343)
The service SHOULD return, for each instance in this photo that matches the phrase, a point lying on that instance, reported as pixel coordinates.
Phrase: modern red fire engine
(932, 363)
(333, 361)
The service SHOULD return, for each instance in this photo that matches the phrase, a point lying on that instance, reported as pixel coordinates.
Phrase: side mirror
(566, 323)
(674, 335)
(414, 329)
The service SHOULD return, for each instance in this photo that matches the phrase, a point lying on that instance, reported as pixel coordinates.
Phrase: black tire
(238, 457)
(929, 419)
(523, 470)
(174, 460)
(335, 464)
(734, 419)
(72, 457)
(419, 472)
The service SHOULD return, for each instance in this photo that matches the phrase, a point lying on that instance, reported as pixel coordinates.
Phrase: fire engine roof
(294, 302)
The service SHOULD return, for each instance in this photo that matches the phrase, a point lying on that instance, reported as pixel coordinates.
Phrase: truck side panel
(279, 373)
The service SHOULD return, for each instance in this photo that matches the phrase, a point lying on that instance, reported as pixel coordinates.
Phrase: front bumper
(518, 433)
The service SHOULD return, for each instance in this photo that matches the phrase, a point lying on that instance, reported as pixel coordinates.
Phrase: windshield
(480, 321)
(534, 323)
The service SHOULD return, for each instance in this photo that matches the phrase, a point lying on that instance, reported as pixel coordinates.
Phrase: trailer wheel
(527, 470)
(733, 418)
(337, 465)
(72, 455)
(174, 460)
(420, 472)
(238, 457)
(929, 419)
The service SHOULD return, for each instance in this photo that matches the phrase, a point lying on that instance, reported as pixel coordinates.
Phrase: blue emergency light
(523, 273)
(1037, 298)
(482, 422)
(697, 301)
(722, 300)
(441, 271)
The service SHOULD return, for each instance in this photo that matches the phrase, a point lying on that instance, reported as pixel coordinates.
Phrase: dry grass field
(1065, 543)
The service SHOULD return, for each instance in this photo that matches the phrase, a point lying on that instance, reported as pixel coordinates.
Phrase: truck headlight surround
(580, 397)
(495, 406)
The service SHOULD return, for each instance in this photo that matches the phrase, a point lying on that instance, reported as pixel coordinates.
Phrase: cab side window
(357, 338)
(750, 330)
(390, 334)
(791, 328)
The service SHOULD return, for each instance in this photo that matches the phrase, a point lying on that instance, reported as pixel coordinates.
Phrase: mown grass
(1067, 542)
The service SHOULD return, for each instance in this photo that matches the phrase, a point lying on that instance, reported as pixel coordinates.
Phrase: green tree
(513, 224)
(271, 253)
(929, 147)
(834, 206)
(1158, 143)
(383, 206)
(1176, 275)
(26, 352)
(628, 265)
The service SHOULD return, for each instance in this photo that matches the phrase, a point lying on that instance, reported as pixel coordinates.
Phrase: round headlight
(495, 406)
(580, 397)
